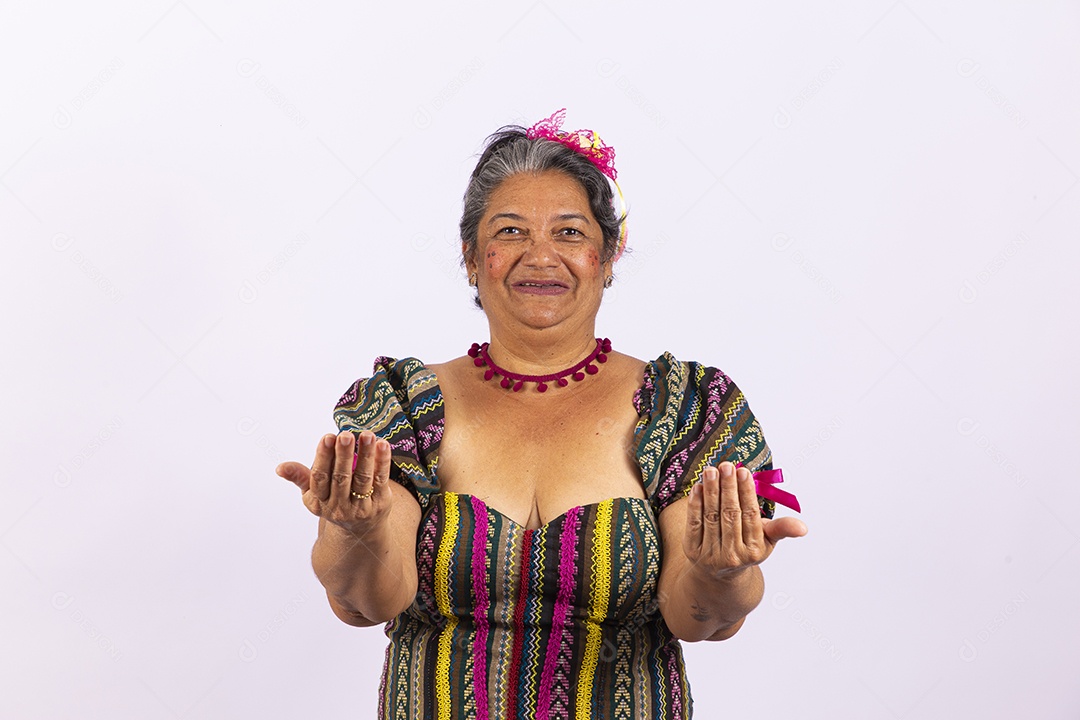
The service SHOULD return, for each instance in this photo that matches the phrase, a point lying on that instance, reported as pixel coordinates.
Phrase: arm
(713, 542)
(365, 553)
(372, 578)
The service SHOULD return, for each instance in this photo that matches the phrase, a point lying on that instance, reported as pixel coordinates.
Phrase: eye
(508, 230)
(571, 232)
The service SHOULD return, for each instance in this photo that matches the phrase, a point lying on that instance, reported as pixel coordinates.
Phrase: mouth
(541, 287)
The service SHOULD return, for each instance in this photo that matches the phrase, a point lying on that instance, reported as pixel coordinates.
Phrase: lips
(541, 287)
(541, 284)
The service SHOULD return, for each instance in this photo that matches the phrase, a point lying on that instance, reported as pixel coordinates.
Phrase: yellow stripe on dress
(442, 600)
(601, 592)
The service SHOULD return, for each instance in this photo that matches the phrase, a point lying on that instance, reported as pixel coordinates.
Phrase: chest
(598, 562)
(534, 461)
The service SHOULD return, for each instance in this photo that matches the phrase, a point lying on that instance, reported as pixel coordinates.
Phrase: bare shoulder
(450, 366)
(452, 373)
(627, 360)
(626, 366)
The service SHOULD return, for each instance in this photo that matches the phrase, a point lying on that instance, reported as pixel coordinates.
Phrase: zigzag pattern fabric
(561, 621)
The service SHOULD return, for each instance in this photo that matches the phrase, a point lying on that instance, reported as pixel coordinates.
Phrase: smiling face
(537, 254)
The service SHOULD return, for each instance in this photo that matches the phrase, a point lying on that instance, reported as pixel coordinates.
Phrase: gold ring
(363, 496)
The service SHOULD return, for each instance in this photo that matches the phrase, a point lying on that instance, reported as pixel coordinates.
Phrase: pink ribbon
(765, 485)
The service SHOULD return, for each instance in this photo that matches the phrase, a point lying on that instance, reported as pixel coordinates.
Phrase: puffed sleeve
(689, 417)
(402, 403)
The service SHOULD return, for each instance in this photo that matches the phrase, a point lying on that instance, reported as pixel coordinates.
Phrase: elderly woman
(541, 521)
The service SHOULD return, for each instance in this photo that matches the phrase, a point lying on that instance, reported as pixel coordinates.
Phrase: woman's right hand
(353, 498)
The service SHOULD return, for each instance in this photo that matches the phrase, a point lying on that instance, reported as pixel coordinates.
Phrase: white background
(214, 217)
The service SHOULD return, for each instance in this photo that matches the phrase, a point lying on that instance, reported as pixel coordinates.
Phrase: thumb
(786, 527)
(295, 473)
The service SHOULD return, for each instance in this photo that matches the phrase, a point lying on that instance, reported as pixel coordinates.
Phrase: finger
(381, 489)
(694, 525)
(780, 528)
(713, 533)
(363, 476)
(730, 511)
(751, 512)
(343, 461)
(320, 469)
(295, 473)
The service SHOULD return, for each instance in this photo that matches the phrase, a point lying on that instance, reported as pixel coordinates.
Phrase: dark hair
(509, 152)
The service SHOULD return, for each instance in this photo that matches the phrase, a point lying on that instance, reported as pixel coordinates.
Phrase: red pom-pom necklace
(516, 381)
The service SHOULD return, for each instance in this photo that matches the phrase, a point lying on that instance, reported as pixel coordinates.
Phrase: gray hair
(509, 152)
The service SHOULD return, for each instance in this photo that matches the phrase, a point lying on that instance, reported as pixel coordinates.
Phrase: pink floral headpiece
(589, 144)
(586, 142)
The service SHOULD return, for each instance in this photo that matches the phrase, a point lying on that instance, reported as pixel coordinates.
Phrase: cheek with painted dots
(497, 262)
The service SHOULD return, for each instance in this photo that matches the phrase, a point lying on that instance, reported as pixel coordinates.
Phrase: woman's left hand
(725, 533)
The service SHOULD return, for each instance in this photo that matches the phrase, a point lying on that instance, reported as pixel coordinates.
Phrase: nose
(541, 252)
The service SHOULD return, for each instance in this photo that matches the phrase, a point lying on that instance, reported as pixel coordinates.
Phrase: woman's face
(538, 253)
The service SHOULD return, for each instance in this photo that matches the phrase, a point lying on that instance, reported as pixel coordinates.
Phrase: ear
(470, 262)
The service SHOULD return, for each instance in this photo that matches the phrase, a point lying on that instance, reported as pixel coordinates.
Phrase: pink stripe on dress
(675, 678)
(560, 625)
(480, 593)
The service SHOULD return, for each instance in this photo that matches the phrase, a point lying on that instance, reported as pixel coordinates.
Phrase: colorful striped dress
(561, 621)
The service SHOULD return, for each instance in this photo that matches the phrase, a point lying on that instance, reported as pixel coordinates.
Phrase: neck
(539, 352)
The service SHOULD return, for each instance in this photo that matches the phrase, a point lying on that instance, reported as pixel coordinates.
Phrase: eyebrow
(518, 218)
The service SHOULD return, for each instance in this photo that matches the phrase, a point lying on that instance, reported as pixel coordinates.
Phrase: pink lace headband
(589, 144)
(586, 142)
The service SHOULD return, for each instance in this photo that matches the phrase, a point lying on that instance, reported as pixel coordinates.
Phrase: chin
(540, 319)
(541, 323)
